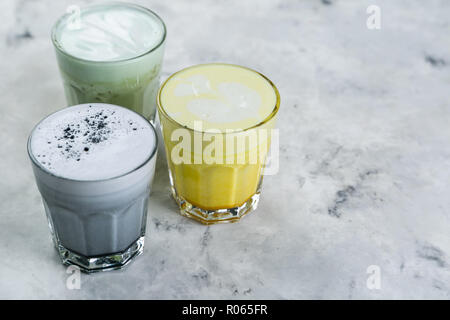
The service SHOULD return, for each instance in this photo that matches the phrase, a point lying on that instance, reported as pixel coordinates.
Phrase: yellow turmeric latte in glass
(217, 122)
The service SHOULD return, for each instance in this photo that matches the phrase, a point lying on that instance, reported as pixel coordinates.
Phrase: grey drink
(111, 53)
(94, 164)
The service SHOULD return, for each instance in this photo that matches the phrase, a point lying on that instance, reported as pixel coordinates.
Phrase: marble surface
(364, 156)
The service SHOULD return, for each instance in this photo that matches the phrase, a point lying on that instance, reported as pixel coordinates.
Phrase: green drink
(111, 53)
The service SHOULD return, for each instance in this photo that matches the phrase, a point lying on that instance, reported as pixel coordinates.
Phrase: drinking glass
(132, 82)
(225, 188)
(96, 224)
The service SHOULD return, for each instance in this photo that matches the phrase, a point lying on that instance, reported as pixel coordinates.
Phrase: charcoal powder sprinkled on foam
(95, 129)
(85, 145)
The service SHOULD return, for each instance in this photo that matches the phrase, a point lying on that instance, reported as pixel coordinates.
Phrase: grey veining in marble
(364, 156)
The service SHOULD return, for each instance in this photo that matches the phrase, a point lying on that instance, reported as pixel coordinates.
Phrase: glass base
(208, 217)
(101, 263)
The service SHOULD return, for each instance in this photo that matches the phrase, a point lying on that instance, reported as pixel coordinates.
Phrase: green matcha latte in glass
(111, 53)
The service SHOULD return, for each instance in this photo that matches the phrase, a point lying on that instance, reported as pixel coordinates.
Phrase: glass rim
(259, 124)
(65, 16)
(41, 167)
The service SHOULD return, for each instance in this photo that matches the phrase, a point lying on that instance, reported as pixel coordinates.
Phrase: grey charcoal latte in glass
(94, 164)
(111, 53)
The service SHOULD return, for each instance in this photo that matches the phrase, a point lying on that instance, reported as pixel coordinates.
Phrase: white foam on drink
(92, 142)
(110, 32)
(230, 102)
(223, 97)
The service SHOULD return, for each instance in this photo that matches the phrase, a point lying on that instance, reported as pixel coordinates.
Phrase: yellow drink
(216, 121)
